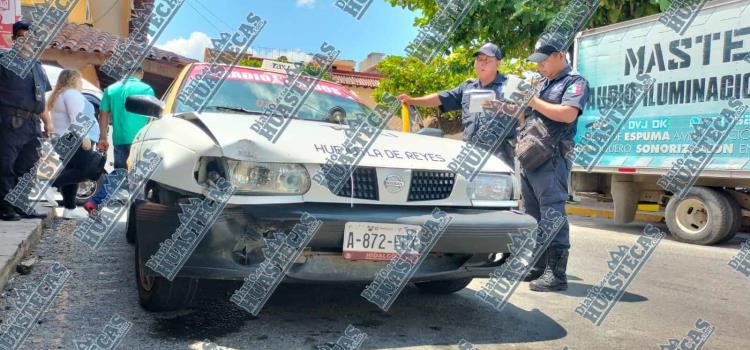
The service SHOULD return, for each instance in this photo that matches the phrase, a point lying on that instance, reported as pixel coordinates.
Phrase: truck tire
(702, 217)
(158, 293)
(736, 212)
(443, 287)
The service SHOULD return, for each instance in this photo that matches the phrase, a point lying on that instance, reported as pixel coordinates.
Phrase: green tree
(313, 70)
(245, 62)
(409, 75)
(515, 25)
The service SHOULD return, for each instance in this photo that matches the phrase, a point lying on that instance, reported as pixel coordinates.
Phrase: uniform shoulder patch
(575, 89)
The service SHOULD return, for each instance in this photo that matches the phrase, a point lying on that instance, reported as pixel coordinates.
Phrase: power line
(204, 17)
(213, 14)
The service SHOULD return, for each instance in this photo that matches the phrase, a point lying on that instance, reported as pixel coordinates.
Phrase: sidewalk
(17, 238)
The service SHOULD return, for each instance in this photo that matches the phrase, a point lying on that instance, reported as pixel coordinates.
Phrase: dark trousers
(69, 178)
(547, 187)
(19, 150)
(69, 193)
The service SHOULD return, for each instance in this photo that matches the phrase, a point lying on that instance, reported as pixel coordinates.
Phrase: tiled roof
(358, 79)
(76, 37)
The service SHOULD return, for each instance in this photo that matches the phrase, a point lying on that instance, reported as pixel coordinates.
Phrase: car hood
(305, 141)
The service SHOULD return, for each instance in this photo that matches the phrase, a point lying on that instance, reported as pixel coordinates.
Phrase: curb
(24, 247)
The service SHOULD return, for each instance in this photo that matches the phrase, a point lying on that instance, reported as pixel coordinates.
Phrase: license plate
(374, 241)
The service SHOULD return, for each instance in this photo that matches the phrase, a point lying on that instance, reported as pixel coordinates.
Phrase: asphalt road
(678, 285)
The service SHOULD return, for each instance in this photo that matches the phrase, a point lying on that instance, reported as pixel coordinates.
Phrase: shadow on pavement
(636, 228)
(317, 314)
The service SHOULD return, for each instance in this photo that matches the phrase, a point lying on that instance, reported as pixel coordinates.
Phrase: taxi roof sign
(276, 66)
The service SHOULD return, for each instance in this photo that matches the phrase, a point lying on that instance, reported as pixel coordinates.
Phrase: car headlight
(268, 178)
(490, 189)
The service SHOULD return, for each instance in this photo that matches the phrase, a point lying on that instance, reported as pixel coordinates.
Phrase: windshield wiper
(234, 109)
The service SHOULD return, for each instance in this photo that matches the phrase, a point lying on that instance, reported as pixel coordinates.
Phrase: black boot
(7, 213)
(538, 269)
(554, 278)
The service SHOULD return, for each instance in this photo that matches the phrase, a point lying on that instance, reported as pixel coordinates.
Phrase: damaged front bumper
(232, 248)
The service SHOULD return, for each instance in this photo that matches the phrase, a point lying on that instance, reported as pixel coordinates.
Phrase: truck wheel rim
(692, 216)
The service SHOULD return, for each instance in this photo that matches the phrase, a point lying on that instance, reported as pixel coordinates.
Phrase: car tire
(130, 224)
(443, 287)
(736, 212)
(158, 293)
(703, 216)
(167, 197)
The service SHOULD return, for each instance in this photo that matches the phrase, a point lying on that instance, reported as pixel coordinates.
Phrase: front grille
(428, 185)
(365, 184)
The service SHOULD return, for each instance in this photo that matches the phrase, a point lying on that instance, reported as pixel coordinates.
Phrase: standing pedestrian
(486, 62)
(125, 125)
(22, 106)
(561, 99)
(65, 104)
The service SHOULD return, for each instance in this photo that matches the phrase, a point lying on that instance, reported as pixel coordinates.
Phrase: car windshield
(248, 90)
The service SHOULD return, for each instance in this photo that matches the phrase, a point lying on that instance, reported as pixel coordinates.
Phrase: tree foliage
(245, 62)
(409, 75)
(514, 25)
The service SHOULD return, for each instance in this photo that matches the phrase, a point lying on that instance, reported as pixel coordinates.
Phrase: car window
(253, 90)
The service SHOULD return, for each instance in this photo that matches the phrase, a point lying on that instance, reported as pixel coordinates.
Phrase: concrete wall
(366, 94)
(107, 15)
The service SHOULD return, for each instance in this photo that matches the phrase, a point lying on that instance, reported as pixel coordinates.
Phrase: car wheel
(130, 224)
(87, 189)
(443, 287)
(167, 197)
(156, 293)
(704, 216)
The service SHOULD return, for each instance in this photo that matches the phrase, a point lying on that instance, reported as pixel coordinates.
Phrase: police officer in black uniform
(486, 61)
(22, 106)
(561, 99)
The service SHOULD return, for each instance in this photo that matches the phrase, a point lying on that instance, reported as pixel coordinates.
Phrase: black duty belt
(21, 113)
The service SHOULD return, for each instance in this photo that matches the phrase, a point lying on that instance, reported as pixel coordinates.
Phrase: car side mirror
(431, 132)
(147, 105)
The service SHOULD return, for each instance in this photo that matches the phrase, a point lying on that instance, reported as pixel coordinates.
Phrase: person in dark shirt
(22, 106)
(562, 97)
(486, 62)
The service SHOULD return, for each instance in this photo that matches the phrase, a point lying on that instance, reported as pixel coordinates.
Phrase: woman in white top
(64, 104)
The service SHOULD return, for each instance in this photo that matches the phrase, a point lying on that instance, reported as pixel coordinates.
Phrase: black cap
(545, 46)
(20, 25)
(489, 49)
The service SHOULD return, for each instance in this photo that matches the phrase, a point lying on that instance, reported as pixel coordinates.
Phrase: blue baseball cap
(547, 45)
(489, 49)
(20, 25)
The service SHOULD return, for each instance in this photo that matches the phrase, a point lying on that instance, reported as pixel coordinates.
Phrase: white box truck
(696, 74)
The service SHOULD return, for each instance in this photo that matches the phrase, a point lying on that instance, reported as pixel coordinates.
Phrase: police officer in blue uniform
(486, 62)
(22, 106)
(561, 99)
